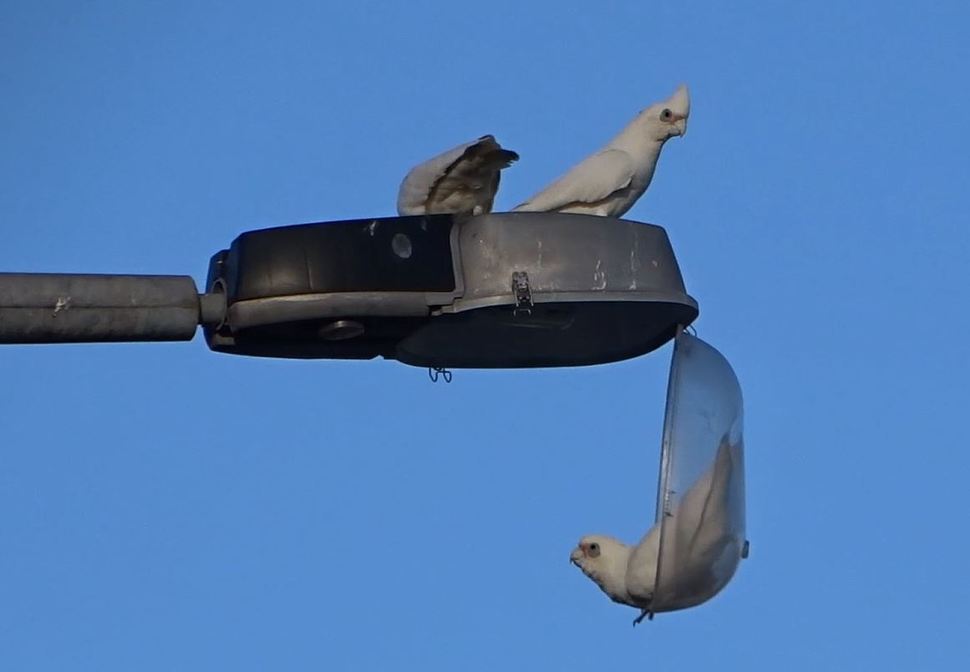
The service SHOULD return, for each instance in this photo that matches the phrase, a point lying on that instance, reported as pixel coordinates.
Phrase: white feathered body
(610, 181)
(628, 574)
(607, 183)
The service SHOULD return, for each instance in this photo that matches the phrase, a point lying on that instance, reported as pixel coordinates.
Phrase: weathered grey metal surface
(272, 310)
(66, 308)
(497, 291)
(548, 289)
(567, 258)
(212, 308)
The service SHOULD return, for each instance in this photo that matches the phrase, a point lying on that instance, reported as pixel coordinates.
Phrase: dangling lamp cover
(700, 501)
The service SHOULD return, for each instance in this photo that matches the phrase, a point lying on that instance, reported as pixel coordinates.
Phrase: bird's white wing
(462, 180)
(705, 511)
(593, 179)
(641, 571)
(701, 525)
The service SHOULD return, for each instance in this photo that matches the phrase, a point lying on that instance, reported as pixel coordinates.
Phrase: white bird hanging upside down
(460, 181)
(610, 181)
(627, 574)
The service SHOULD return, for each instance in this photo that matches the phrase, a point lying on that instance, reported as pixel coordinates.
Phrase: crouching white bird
(461, 181)
(701, 530)
(610, 181)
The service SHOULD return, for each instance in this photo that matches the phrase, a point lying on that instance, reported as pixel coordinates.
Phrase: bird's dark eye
(594, 550)
(666, 115)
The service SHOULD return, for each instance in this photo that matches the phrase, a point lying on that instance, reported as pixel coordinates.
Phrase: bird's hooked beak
(584, 552)
(681, 125)
(576, 555)
(679, 104)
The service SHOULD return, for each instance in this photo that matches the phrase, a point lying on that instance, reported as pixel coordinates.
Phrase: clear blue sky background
(163, 507)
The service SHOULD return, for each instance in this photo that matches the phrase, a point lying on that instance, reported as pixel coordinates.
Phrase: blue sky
(168, 508)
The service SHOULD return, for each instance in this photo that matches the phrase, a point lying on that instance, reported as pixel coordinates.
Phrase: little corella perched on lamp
(610, 181)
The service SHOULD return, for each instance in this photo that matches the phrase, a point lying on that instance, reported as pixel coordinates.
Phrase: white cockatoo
(702, 525)
(461, 181)
(610, 181)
